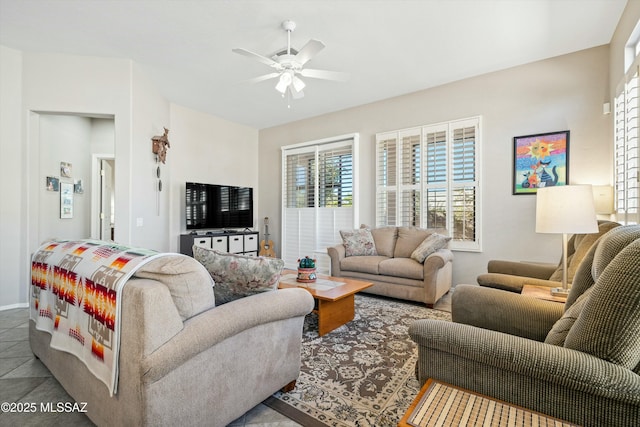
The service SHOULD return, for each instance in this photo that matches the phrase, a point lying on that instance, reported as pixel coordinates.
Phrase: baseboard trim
(12, 306)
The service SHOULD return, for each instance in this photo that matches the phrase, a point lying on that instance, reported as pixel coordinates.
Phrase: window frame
(445, 182)
(626, 138)
(626, 149)
(337, 216)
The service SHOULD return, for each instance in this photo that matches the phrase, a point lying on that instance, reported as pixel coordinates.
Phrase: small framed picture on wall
(540, 160)
(66, 200)
(53, 183)
(65, 169)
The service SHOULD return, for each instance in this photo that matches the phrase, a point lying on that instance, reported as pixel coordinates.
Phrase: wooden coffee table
(334, 298)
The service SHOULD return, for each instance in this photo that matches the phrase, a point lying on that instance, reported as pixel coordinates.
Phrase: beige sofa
(393, 272)
(206, 369)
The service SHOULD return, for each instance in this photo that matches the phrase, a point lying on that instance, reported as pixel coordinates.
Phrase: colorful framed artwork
(540, 160)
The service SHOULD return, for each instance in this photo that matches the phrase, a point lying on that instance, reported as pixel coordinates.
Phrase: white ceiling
(389, 47)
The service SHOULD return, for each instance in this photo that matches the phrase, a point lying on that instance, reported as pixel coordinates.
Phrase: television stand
(236, 242)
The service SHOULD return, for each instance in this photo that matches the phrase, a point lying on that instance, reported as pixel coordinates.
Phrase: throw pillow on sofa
(358, 242)
(384, 239)
(238, 276)
(429, 245)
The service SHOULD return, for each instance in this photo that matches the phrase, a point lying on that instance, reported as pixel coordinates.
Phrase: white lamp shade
(566, 209)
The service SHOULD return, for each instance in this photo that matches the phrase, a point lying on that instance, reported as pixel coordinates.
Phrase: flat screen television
(210, 206)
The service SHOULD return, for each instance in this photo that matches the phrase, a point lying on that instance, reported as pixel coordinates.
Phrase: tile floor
(23, 378)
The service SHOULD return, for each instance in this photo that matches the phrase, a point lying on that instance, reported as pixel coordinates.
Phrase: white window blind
(464, 183)
(410, 189)
(626, 148)
(386, 180)
(319, 197)
(434, 170)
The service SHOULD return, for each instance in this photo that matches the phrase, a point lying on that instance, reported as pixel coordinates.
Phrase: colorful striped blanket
(76, 290)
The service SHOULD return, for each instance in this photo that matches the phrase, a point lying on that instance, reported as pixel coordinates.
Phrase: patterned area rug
(361, 374)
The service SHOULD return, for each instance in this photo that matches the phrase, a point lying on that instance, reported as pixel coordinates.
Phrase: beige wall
(210, 150)
(565, 92)
(150, 208)
(13, 224)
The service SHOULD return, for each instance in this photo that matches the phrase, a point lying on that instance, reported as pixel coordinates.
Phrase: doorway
(69, 146)
(106, 215)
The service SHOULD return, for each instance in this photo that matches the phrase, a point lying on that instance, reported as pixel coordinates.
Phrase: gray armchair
(580, 362)
(513, 275)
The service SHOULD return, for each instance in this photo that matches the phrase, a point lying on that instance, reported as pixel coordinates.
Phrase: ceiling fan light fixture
(284, 82)
(298, 84)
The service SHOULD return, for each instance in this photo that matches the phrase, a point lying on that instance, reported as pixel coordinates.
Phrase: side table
(542, 292)
(440, 404)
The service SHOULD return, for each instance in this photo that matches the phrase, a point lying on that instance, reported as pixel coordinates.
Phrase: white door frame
(96, 192)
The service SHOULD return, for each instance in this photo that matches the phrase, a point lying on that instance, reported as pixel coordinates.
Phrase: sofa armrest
(149, 317)
(437, 275)
(527, 269)
(337, 254)
(519, 370)
(436, 262)
(506, 312)
(507, 282)
(223, 322)
(438, 259)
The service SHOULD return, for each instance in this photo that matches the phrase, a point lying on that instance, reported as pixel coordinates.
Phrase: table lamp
(566, 209)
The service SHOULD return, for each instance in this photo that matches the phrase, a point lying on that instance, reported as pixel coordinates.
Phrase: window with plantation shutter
(386, 175)
(319, 197)
(626, 121)
(463, 182)
(335, 177)
(435, 169)
(300, 172)
(428, 177)
(410, 189)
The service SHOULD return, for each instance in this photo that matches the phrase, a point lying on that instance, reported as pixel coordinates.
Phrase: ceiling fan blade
(324, 74)
(257, 57)
(262, 78)
(308, 51)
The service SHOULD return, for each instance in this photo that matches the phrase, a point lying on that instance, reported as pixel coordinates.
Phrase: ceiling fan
(289, 65)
